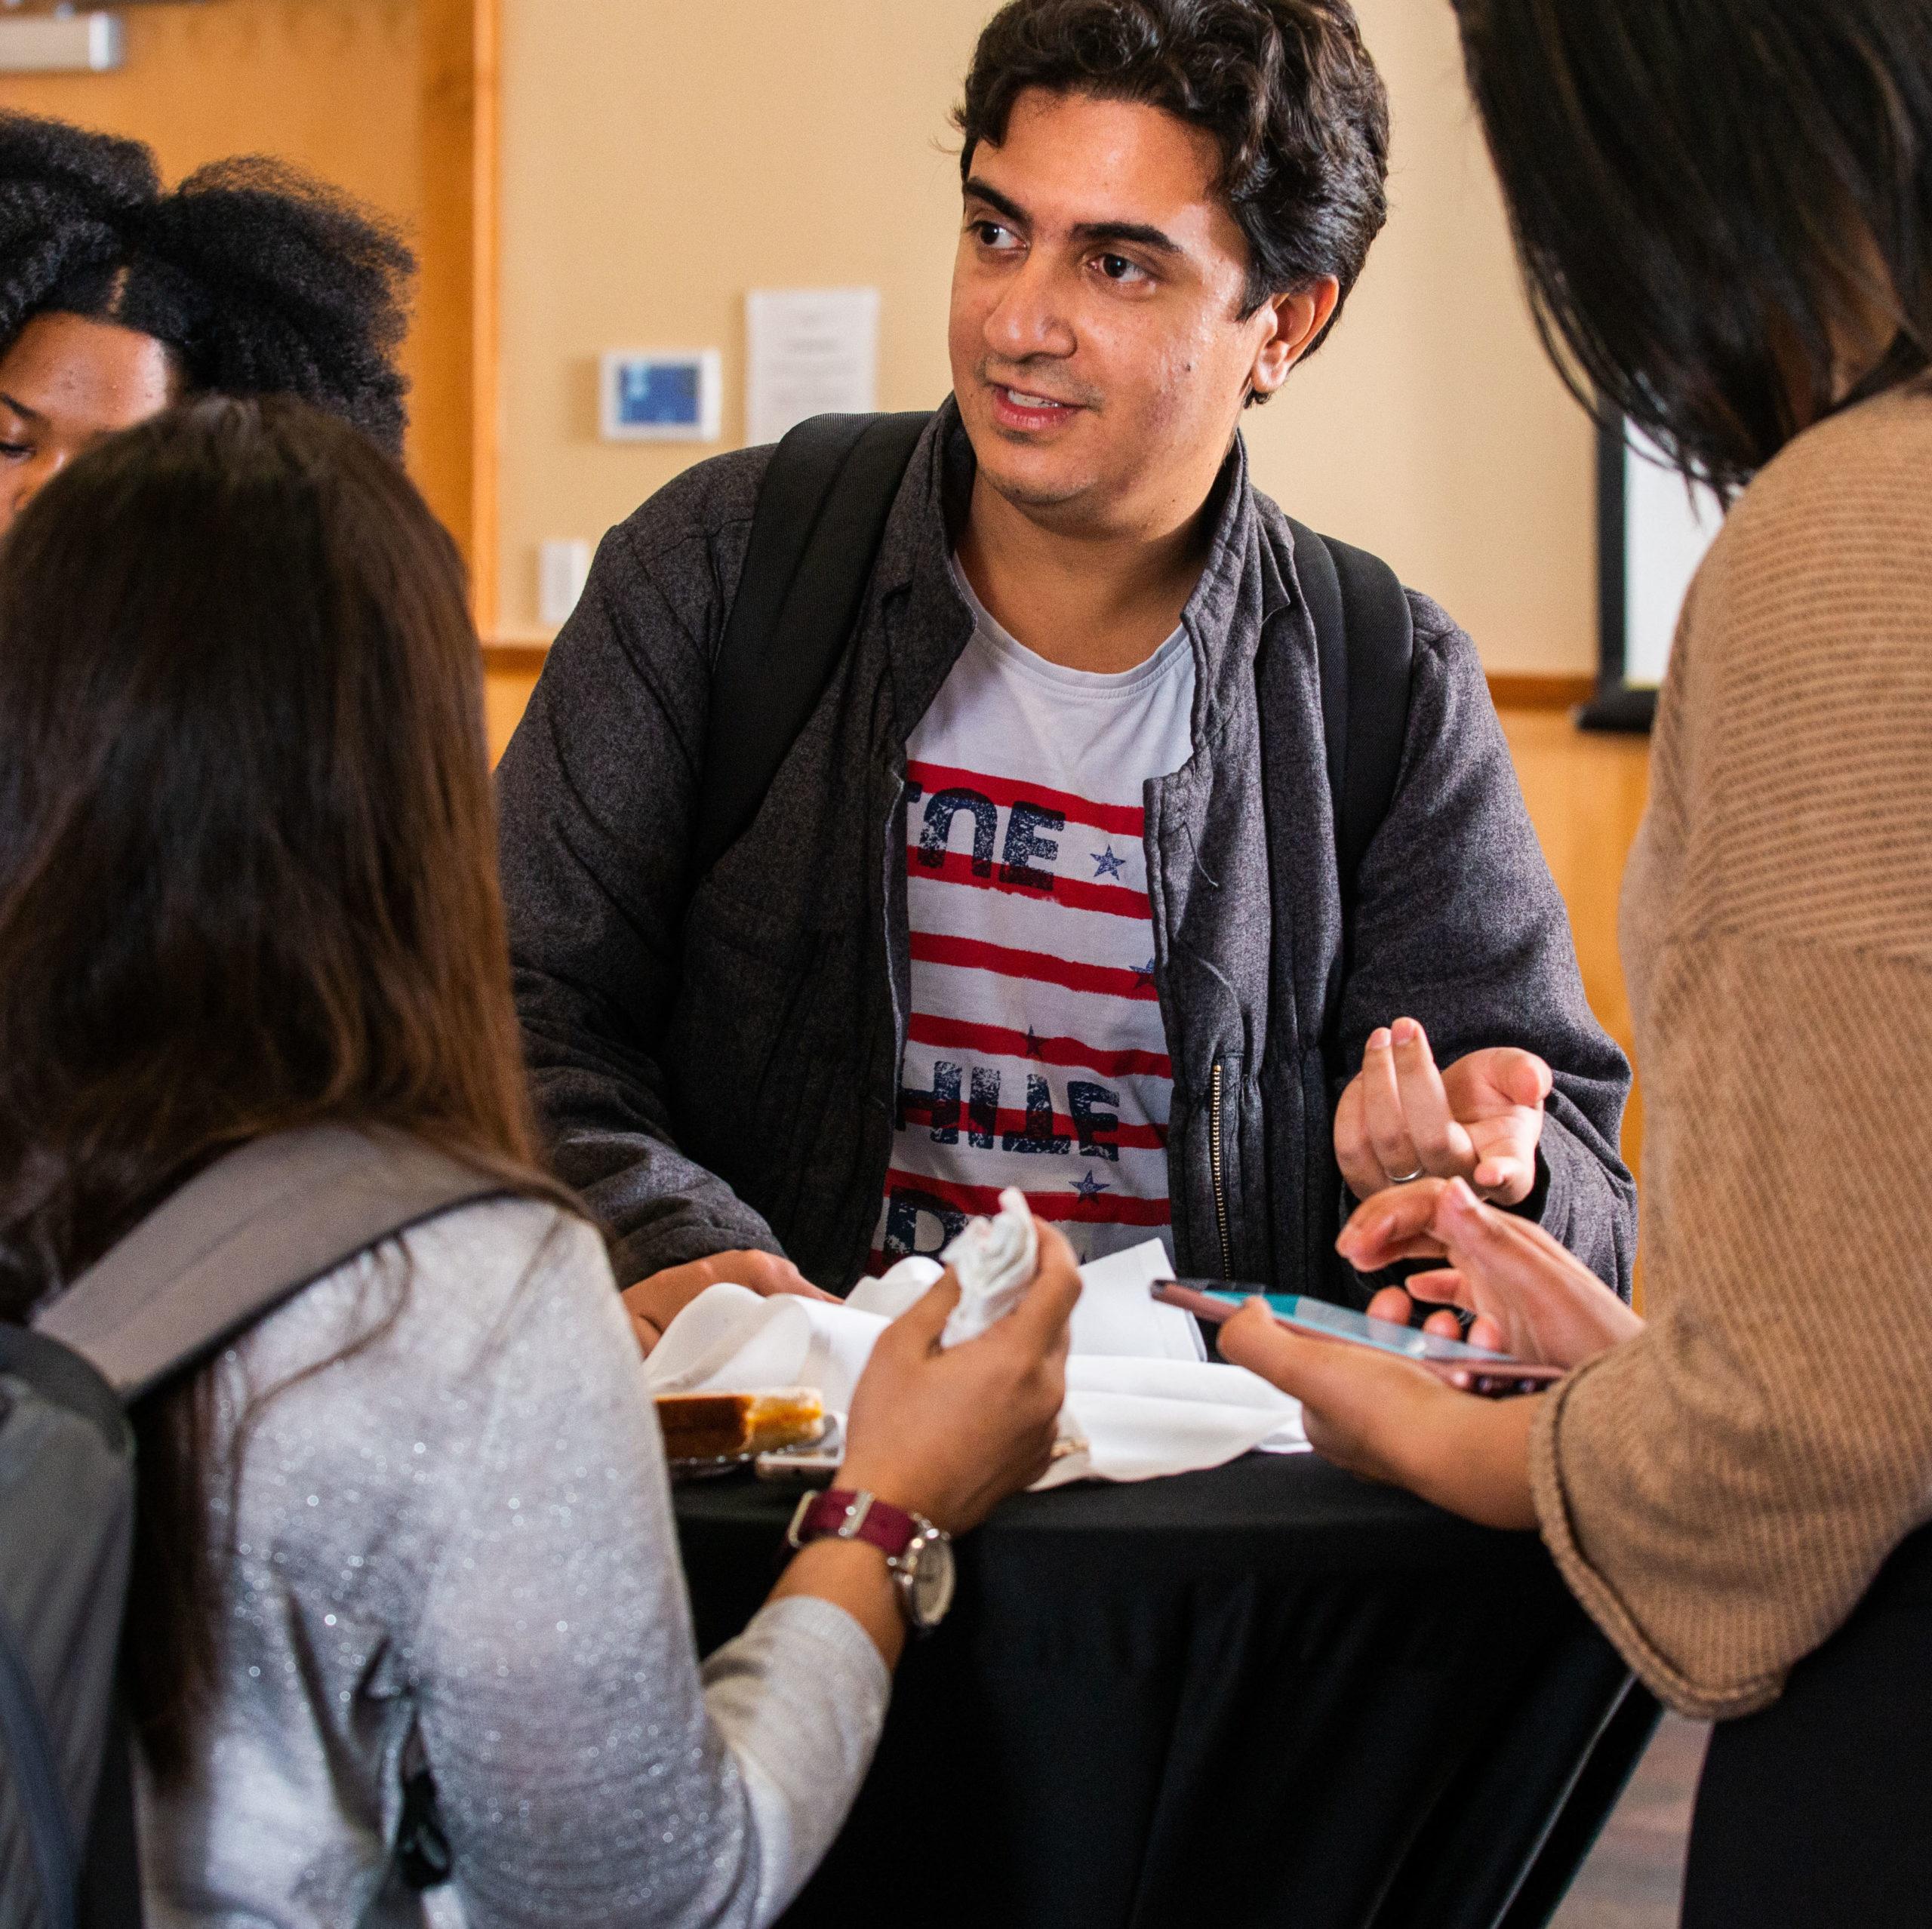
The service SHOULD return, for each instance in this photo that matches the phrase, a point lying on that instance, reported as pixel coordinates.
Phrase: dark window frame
(1617, 705)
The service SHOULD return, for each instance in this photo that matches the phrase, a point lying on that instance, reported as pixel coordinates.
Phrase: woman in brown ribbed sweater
(1724, 210)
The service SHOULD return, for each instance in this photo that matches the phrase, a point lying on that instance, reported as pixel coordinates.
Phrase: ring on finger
(1406, 1178)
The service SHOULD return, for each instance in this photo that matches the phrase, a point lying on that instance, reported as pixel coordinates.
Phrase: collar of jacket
(1245, 584)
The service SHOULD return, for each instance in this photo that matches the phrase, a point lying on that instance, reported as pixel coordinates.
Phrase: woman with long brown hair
(1724, 209)
(420, 1512)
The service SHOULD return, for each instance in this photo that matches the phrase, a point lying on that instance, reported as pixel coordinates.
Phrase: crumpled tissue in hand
(994, 1260)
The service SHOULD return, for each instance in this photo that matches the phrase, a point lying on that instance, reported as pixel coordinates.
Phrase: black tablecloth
(1270, 1694)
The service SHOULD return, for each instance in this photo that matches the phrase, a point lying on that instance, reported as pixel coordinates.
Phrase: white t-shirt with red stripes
(1036, 1055)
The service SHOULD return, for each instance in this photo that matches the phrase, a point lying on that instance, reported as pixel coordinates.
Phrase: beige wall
(660, 158)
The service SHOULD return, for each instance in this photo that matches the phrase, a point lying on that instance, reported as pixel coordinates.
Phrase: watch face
(932, 1580)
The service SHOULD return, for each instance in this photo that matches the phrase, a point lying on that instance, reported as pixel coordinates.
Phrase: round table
(1266, 1694)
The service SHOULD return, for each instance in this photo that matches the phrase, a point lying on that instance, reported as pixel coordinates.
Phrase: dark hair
(247, 874)
(260, 281)
(1285, 87)
(1704, 195)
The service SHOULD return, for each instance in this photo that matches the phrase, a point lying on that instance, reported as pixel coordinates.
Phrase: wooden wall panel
(509, 676)
(457, 306)
(1586, 795)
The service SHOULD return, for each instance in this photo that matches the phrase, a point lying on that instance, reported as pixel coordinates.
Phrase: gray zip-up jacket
(719, 1067)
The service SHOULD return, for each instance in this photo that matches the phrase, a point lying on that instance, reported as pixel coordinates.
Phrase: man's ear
(1299, 317)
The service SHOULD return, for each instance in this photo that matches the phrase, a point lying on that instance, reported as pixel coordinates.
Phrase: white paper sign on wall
(809, 352)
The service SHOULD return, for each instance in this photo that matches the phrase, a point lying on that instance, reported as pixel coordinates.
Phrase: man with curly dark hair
(1064, 885)
(116, 299)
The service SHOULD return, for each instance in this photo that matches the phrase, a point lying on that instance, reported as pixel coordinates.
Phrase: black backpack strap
(241, 1237)
(1364, 638)
(821, 515)
(109, 1895)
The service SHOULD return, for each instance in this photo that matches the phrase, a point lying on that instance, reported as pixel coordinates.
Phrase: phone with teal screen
(1474, 1369)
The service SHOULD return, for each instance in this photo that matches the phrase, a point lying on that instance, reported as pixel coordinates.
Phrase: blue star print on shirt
(1088, 1187)
(1106, 864)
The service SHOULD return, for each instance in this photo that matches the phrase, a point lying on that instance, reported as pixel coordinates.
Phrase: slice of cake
(715, 1426)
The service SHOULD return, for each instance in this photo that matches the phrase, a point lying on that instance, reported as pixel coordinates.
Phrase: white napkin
(730, 1338)
(1114, 1313)
(994, 1260)
(1144, 1418)
(1138, 1389)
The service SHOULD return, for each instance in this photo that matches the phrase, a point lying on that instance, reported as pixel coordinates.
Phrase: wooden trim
(514, 659)
(486, 175)
(1511, 690)
(456, 298)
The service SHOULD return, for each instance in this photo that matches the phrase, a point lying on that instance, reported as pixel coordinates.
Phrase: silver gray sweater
(458, 1538)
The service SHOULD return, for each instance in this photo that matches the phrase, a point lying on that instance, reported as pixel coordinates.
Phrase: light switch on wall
(563, 563)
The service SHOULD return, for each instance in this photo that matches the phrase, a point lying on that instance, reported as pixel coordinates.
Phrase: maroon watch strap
(840, 1514)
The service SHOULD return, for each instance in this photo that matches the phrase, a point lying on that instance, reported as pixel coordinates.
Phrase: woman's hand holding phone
(1389, 1419)
(1531, 1297)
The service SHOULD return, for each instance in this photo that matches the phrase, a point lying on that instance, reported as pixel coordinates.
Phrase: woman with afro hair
(117, 299)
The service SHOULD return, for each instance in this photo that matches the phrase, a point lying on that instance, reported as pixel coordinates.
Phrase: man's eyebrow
(976, 190)
(1135, 233)
(20, 408)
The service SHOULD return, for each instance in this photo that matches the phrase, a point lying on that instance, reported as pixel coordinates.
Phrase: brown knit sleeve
(1720, 1492)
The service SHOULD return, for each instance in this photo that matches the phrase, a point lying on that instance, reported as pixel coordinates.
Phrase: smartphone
(1474, 1369)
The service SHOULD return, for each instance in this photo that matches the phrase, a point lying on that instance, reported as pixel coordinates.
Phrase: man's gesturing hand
(653, 1303)
(1401, 1119)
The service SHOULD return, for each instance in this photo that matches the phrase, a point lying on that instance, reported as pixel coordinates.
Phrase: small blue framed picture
(662, 395)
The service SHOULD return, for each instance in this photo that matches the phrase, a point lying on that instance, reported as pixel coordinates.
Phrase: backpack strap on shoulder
(248, 1232)
(1364, 638)
(821, 514)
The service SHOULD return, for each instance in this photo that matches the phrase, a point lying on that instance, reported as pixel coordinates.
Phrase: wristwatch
(919, 1554)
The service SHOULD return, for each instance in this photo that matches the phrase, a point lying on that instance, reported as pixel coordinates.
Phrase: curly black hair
(1285, 87)
(259, 280)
